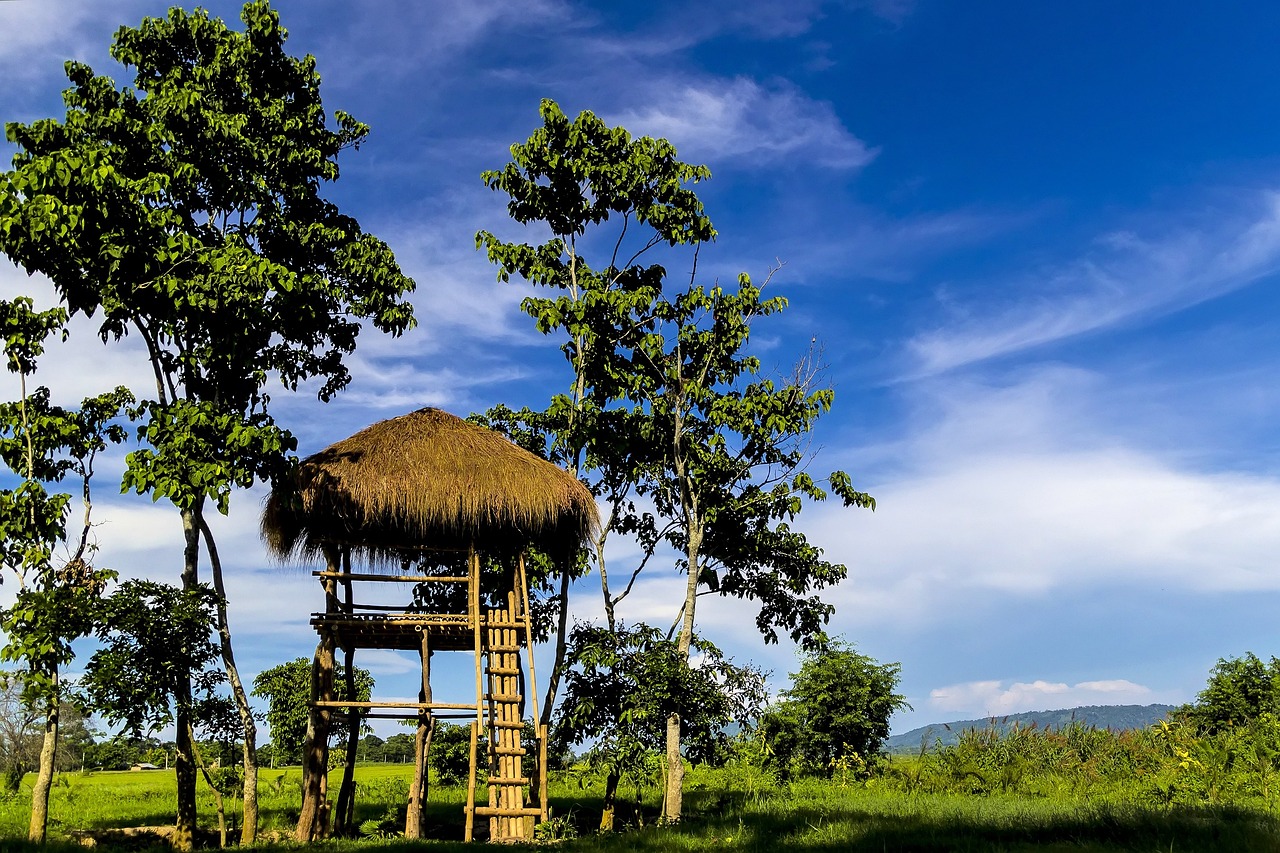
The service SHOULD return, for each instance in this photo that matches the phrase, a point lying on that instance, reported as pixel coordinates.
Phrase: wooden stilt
(313, 818)
(471, 787)
(345, 814)
(416, 812)
(473, 613)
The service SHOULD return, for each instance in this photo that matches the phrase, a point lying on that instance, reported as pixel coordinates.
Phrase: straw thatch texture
(427, 479)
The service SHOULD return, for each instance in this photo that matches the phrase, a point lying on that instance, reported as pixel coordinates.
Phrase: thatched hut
(428, 482)
(427, 479)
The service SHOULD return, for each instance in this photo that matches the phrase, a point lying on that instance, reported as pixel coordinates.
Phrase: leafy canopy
(187, 210)
(1239, 691)
(154, 639)
(622, 685)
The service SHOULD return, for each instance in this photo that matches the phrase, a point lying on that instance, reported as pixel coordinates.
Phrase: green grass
(724, 812)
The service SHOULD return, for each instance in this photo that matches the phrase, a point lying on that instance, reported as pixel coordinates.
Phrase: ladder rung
(492, 811)
(503, 670)
(518, 781)
(497, 624)
(509, 750)
(503, 697)
(507, 724)
(504, 648)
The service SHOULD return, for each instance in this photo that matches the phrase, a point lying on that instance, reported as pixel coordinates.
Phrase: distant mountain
(1114, 717)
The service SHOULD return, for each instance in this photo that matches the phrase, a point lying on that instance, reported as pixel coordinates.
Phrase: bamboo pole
(415, 813)
(343, 820)
(313, 817)
(539, 730)
(471, 788)
(362, 576)
(473, 606)
(542, 773)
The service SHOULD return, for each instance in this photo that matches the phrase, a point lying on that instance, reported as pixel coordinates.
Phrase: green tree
(1239, 691)
(450, 755)
(154, 638)
(120, 752)
(666, 401)
(399, 747)
(187, 211)
(287, 689)
(573, 177)
(838, 707)
(58, 594)
(622, 684)
(371, 748)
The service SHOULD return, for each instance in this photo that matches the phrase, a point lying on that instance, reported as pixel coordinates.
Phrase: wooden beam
(362, 576)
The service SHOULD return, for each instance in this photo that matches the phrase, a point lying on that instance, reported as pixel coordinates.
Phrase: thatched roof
(427, 479)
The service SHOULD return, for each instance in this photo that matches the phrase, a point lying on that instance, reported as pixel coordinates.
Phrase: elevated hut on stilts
(448, 507)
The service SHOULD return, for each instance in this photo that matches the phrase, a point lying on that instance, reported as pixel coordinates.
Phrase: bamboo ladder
(499, 637)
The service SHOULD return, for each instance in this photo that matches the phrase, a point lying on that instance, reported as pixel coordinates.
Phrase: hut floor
(401, 631)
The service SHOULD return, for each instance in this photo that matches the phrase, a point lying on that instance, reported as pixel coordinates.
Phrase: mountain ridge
(1115, 717)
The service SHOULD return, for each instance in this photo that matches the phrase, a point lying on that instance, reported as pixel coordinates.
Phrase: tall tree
(727, 470)
(576, 177)
(187, 211)
(58, 594)
(666, 401)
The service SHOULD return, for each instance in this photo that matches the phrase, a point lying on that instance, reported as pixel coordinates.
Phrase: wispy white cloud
(1009, 493)
(36, 30)
(394, 40)
(1124, 279)
(994, 698)
(739, 119)
(766, 19)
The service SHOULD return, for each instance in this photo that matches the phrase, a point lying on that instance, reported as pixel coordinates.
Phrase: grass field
(726, 811)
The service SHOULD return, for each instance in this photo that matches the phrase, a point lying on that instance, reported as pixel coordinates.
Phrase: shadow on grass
(855, 823)
(852, 828)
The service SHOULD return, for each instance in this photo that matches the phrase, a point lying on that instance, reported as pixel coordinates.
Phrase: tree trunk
(562, 629)
(610, 801)
(673, 797)
(184, 763)
(217, 794)
(44, 777)
(249, 829)
(313, 818)
(184, 766)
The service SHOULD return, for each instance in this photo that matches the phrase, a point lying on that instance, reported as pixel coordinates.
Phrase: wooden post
(344, 819)
(473, 614)
(471, 788)
(415, 815)
(313, 818)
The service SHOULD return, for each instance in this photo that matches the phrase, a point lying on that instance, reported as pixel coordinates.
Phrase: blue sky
(1039, 243)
